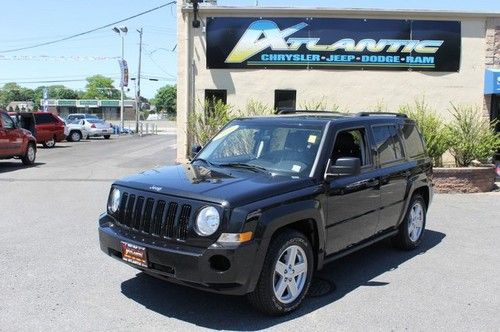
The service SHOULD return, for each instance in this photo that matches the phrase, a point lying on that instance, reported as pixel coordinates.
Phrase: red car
(16, 142)
(48, 130)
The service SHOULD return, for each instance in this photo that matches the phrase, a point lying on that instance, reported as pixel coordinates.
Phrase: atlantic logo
(264, 34)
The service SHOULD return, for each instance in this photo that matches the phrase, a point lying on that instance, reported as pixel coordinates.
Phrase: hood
(235, 187)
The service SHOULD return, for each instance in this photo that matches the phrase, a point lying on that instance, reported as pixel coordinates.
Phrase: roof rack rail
(402, 115)
(294, 111)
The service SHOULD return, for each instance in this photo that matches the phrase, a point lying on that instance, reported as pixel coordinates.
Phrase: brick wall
(464, 180)
(493, 43)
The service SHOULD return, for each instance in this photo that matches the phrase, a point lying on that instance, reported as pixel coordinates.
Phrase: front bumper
(187, 265)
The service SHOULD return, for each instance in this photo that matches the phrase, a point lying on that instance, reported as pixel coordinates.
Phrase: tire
(266, 296)
(411, 230)
(30, 155)
(49, 144)
(75, 136)
(107, 136)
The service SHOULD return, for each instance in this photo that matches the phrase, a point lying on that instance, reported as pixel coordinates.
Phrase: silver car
(97, 127)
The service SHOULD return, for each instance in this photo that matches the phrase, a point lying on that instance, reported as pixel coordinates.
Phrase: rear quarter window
(414, 142)
(389, 145)
(45, 118)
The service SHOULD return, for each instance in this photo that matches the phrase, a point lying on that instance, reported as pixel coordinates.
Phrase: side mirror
(347, 166)
(195, 148)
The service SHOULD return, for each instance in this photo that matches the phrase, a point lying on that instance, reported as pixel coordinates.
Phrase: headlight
(114, 200)
(207, 221)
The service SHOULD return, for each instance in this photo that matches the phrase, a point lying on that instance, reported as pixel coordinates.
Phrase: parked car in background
(16, 142)
(97, 127)
(81, 116)
(49, 129)
(46, 127)
(74, 130)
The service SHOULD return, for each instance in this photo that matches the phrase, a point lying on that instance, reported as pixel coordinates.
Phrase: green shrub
(472, 137)
(204, 124)
(319, 105)
(432, 127)
(255, 108)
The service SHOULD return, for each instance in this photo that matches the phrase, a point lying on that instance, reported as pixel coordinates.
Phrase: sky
(29, 22)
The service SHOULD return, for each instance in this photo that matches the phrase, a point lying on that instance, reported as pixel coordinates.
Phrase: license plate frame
(134, 254)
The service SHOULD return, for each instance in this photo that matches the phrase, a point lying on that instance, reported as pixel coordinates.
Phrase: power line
(89, 31)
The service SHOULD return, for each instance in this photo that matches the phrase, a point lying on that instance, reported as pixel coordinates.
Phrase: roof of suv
(318, 117)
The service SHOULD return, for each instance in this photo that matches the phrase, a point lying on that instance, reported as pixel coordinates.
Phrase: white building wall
(352, 90)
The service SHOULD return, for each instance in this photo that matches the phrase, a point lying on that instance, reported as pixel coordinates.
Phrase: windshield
(288, 149)
(95, 121)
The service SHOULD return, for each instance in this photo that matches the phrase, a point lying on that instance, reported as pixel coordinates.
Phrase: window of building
(414, 144)
(351, 144)
(389, 146)
(211, 98)
(285, 99)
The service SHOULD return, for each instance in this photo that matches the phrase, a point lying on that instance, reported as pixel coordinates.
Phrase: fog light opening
(219, 263)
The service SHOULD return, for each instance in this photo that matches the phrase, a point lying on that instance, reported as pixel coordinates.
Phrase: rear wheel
(30, 155)
(107, 136)
(286, 274)
(75, 136)
(50, 143)
(412, 228)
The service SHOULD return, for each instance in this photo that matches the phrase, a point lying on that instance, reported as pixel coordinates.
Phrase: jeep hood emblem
(155, 188)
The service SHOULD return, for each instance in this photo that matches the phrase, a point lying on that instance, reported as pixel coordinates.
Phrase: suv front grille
(153, 216)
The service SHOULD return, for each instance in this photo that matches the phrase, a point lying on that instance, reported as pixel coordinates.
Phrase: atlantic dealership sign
(236, 42)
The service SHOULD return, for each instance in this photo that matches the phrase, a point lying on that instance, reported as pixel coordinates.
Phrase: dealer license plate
(134, 254)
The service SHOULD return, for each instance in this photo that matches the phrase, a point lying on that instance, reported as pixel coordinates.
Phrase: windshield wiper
(254, 168)
(202, 160)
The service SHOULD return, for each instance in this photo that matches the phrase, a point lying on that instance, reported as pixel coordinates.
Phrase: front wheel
(107, 136)
(30, 155)
(286, 274)
(412, 228)
(50, 143)
(75, 136)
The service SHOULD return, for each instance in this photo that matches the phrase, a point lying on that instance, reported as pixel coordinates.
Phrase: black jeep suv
(270, 200)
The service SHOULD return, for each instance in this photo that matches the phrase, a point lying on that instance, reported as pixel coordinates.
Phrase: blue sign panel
(335, 43)
(492, 82)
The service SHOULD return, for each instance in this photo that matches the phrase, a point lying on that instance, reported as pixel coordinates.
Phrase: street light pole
(138, 93)
(122, 31)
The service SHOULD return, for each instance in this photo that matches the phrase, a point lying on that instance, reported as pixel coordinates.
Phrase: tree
(55, 92)
(14, 92)
(165, 99)
(100, 87)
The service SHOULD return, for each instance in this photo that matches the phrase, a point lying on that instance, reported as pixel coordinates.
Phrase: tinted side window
(414, 144)
(389, 146)
(351, 143)
(44, 118)
(6, 121)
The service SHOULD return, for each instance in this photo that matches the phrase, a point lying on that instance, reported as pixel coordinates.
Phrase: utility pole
(138, 95)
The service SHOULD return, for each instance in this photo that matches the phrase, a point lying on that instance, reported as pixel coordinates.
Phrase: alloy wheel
(290, 274)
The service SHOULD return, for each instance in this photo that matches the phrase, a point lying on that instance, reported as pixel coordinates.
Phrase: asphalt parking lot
(54, 276)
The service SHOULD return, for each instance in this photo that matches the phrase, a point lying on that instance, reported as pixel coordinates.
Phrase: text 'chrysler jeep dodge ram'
(270, 200)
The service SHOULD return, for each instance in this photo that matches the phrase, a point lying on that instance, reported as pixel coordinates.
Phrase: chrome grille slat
(182, 226)
(157, 218)
(139, 204)
(170, 219)
(154, 216)
(148, 210)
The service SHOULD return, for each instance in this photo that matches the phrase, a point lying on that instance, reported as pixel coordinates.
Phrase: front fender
(274, 218)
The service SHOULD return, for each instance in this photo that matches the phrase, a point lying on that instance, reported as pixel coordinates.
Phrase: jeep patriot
(269, 200)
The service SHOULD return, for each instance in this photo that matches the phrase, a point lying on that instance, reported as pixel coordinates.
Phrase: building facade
(104, 109)
(355, 60)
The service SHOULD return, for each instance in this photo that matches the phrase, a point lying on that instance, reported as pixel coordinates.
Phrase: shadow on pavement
(215, 311)
(14, 165)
